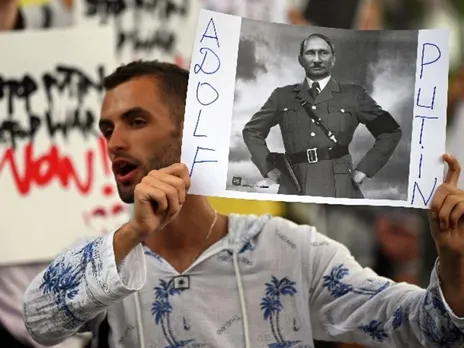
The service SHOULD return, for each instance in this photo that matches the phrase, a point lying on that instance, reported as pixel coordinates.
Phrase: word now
(51, 167)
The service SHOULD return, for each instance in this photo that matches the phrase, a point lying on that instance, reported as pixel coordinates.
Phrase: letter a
(206, 34)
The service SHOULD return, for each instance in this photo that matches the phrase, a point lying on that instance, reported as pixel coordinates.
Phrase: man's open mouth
(124, 170)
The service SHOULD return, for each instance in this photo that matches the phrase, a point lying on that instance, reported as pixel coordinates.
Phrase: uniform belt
(315, 155)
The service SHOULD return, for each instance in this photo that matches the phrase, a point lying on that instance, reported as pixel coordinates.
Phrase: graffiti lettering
(64, 79)
(147, 26)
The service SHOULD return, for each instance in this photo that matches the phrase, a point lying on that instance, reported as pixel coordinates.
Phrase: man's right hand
(274, 175)
(158, 199)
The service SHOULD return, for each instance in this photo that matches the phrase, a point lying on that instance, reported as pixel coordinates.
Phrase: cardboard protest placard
(372, 134)
(162, 30)
(55, 177)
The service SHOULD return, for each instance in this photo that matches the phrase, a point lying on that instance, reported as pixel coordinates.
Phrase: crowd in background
(395, 242)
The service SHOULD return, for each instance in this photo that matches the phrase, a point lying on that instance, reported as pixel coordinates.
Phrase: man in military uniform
(318, 118)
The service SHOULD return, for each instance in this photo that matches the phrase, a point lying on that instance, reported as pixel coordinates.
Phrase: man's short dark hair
(320, 36)
(172, 79)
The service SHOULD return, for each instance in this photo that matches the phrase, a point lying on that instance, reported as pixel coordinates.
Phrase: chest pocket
(291, 120)
(341, 119)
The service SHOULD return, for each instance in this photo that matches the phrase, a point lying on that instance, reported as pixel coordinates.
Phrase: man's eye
(138, 122)
(107, 132)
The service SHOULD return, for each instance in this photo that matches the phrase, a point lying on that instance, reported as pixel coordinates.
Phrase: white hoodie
(268, 283)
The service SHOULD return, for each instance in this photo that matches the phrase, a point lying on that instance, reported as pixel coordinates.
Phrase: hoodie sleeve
(352, 304)
(79, 286)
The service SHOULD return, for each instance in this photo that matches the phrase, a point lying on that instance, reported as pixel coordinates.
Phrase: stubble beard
(169, 155)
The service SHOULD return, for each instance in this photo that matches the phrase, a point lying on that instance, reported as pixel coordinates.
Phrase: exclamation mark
(107, 188)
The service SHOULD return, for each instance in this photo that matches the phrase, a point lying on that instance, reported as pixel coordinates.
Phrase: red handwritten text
(48, 168)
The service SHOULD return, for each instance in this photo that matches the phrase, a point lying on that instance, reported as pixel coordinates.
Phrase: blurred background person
(397, 237)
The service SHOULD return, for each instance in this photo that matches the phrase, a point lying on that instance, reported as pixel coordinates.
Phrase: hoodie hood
(243, 228)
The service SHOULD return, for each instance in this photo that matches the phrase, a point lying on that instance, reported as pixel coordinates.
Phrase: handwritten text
(64, 80)
(425, 100)
(149, 22)
(206, 93)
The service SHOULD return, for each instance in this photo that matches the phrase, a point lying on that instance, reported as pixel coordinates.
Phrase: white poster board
(55, 178)
(211, 132)
(147, 30)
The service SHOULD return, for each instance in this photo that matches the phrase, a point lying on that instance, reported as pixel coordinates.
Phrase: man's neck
(184, 237)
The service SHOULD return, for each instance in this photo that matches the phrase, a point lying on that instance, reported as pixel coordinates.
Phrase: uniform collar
(322, 83)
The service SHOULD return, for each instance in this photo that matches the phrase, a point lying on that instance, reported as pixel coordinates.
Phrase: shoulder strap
(318, 121)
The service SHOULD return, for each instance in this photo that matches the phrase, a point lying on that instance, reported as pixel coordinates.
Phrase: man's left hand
(358, 177)
(446, 215)
(447, 225)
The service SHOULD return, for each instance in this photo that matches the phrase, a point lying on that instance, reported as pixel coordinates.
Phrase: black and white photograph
(322, 112)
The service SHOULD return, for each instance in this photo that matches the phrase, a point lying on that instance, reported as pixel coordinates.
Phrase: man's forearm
(451, 274)
(125, 240)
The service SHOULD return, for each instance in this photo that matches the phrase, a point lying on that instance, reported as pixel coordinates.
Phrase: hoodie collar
(242, 228)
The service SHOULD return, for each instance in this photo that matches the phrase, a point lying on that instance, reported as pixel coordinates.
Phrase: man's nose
(117, 141)
(317, 58)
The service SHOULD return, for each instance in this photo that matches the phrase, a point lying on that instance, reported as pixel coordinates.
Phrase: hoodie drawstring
(242, 300)
(138, 314)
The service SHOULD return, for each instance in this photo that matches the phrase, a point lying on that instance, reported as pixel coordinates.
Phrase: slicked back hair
(320, 36)
(172, 80)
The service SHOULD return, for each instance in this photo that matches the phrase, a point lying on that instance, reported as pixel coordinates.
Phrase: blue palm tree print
(88, 255)
(374, 330)
(398, 317)
(63, 279)
(441, 332)
(247, 247)
(162, 309)
(333, 283)
(272, 306)
(377, 330)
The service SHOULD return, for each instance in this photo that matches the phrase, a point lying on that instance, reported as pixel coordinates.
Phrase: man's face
(140, 132)
(317, 59)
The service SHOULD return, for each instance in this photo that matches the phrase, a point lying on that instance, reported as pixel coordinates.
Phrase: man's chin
(126, 194)
(318, 74)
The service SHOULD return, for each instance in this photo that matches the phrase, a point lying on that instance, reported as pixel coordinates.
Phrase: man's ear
(300, 60)
(333, 61)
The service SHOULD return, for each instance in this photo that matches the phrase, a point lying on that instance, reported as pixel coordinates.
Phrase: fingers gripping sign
(159, 197)
(447, 211)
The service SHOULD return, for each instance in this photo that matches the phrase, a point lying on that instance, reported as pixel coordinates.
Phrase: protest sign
(145, 29)
(55, 178)
(382, 106)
